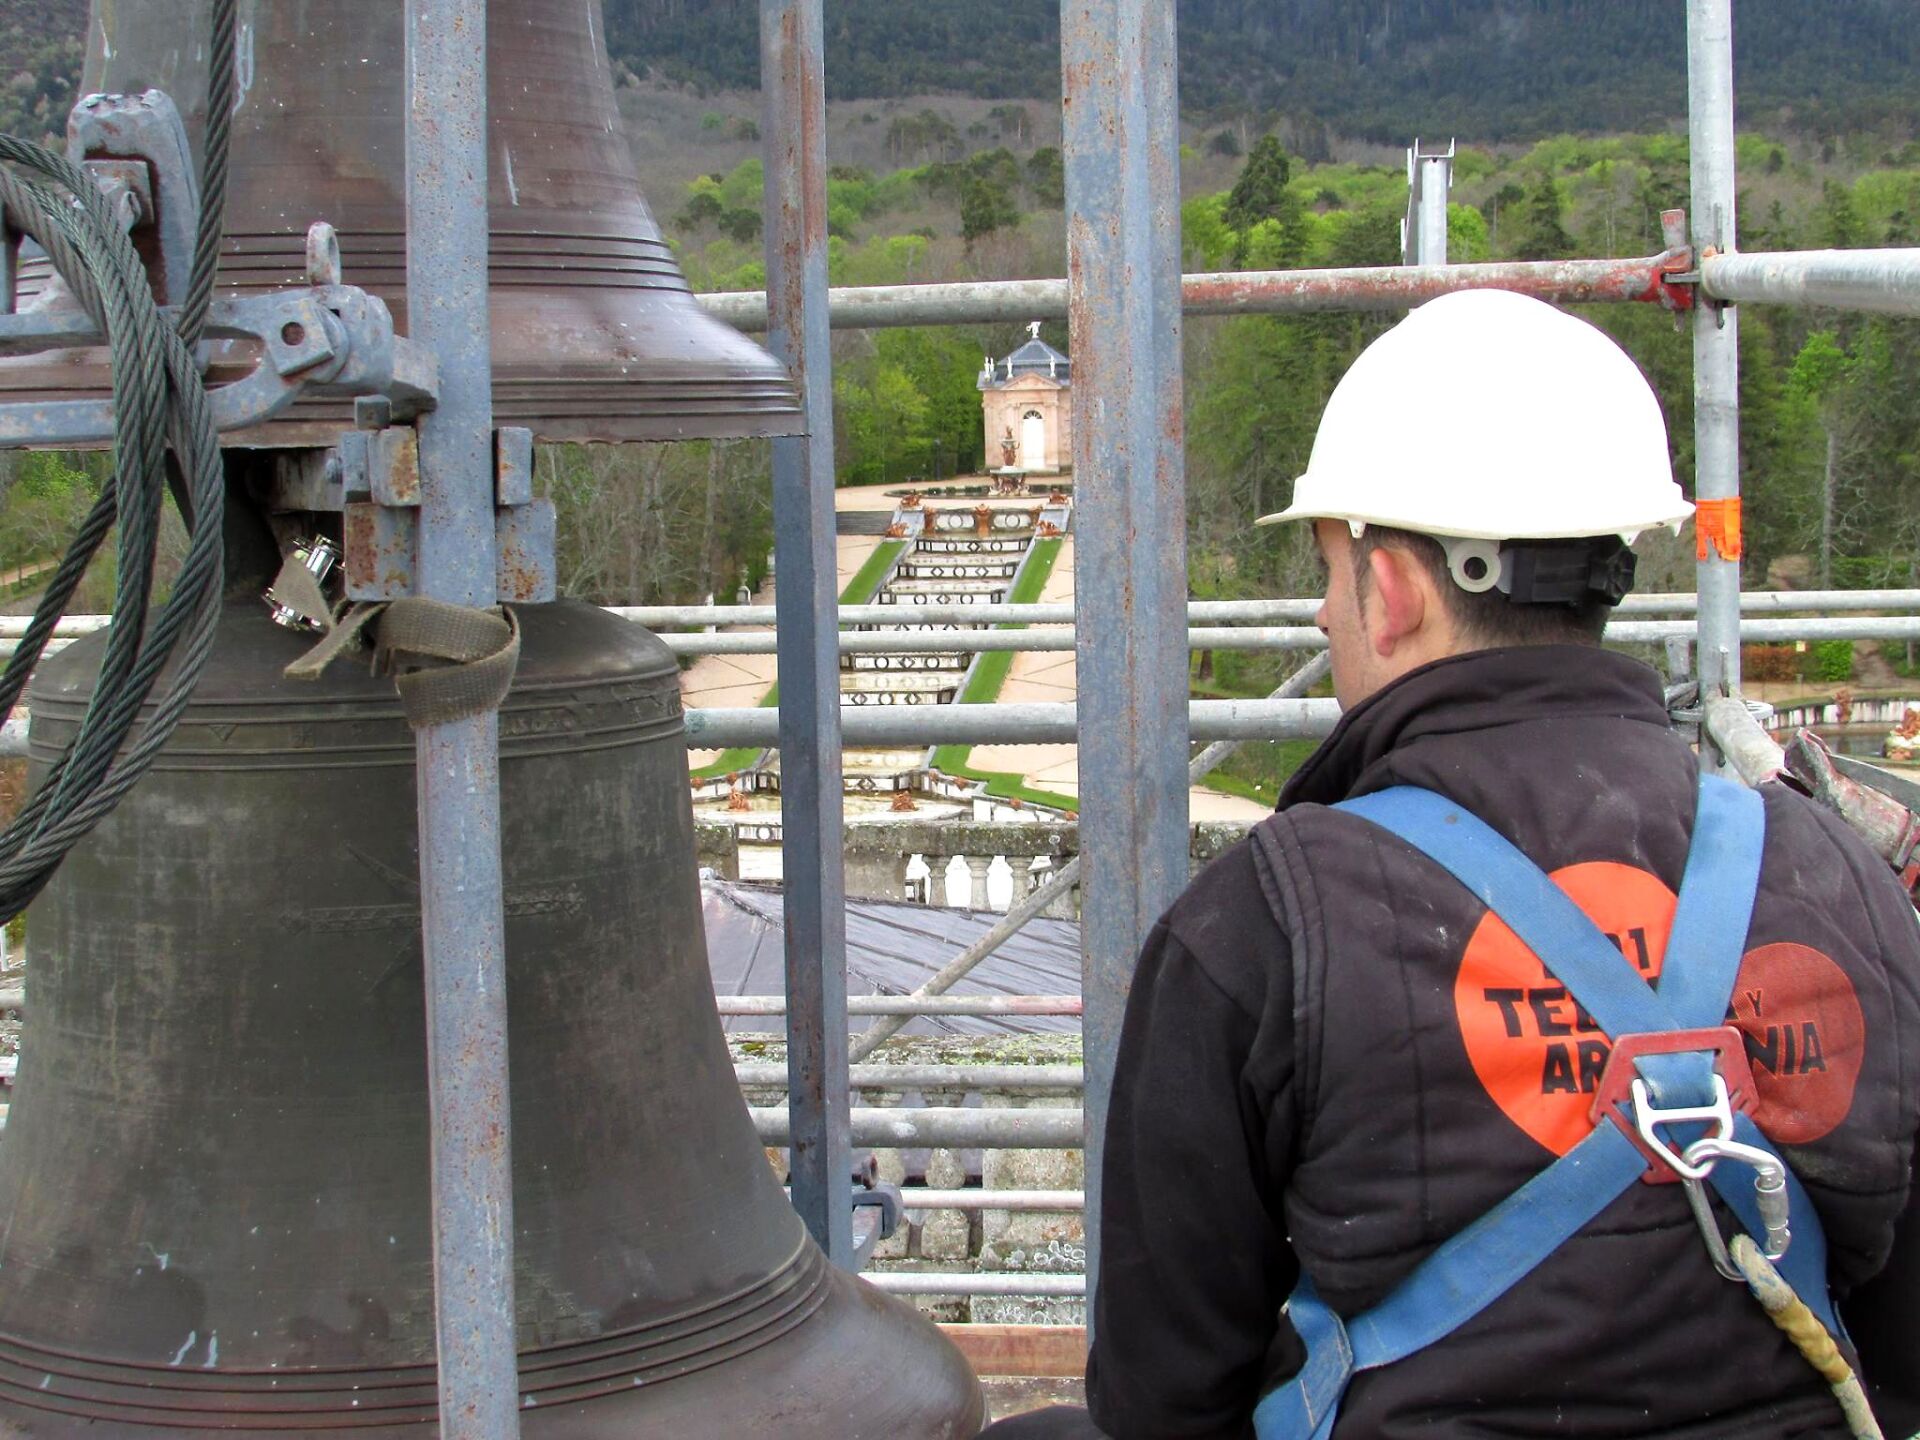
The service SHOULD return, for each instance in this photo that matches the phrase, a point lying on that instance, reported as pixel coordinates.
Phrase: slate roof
(892, 947)
(1036, 357)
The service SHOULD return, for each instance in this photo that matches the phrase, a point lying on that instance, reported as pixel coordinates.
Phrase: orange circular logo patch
(1806, 1039)
(1540, 1056)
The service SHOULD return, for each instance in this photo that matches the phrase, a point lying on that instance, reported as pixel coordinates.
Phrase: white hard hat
(1489, 415)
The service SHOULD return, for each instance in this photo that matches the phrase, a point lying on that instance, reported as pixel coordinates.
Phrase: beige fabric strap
(342, 635)
(449, 661)
(296, 589)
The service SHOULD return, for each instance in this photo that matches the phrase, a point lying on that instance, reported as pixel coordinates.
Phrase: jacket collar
(1476, 691)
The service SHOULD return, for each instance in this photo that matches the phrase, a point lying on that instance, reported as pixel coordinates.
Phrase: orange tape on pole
(1716, 523)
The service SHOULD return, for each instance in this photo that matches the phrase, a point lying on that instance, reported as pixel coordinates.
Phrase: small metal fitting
(319, 555)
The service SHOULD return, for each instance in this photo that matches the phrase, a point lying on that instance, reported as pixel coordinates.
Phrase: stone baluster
(977, 868)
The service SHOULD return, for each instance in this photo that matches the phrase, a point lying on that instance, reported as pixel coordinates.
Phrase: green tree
(985, 207)
(1545, 236)
(1261, 192)
(883, 421)
(1818, 380)
(740, 225)
(1839, 219)
(1047, 177)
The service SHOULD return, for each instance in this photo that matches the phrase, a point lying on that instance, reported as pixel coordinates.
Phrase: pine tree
(1545, 236)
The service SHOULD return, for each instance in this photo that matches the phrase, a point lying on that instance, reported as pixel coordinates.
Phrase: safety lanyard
(1481, 1263)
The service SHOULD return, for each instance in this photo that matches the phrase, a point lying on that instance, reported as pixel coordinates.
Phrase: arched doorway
(1033, 441)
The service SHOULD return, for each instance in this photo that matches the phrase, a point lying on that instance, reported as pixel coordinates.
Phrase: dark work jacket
(1333, 1058)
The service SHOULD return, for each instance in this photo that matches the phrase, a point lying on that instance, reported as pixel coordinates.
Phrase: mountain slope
(1381, 69)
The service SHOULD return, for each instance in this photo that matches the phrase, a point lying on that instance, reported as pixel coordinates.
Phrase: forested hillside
(1378, 69)
(39, 63)
(1831, 444)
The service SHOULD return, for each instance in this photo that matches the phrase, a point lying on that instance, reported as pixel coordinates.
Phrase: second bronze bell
(596, 335)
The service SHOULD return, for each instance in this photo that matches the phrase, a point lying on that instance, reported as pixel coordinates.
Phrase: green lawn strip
(989, 673)
(866, 580)
(860, 589)
(1257, 771)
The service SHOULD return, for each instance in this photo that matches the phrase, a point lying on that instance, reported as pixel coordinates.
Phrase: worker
(1340, 1063)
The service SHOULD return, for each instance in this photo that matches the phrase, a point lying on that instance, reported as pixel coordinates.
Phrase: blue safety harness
(1482, 1262)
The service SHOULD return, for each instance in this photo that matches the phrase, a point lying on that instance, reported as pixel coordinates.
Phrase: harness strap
(1455, 1283)
(1484, 1261)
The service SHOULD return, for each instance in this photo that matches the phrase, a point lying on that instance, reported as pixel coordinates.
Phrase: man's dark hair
(1489, 619)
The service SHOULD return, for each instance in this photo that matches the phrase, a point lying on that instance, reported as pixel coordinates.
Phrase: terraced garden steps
(951, 559)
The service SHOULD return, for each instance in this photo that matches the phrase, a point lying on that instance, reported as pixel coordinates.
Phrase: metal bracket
(104, 134)
(1677, 285)
(327, 340)
(380, 493)
(884, 1198)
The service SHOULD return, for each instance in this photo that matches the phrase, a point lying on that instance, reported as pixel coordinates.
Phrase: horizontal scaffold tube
(910, 1004)
(1293, 609)
(16, 999)
(1245, 292)
(915, 1282)
(984, 1199)
(931, 1077)
(946, 1127)
(1884, 281)
(919, 641)
(1036, 723)
(1269, 637)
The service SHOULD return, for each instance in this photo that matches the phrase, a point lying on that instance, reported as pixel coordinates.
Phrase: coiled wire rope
(164, 442)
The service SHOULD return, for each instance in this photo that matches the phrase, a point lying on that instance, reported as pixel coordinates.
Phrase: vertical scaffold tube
(806, 601)
(458, 764)
(1716, 351)
(1121, 140)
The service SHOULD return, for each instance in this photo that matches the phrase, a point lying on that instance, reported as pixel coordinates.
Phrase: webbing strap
(448, 661)
(1548, 923)
(1455, 1283)
(1721, 880)
(1702, 960)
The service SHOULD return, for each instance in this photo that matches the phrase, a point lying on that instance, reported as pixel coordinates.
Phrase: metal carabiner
(1770, 1194)
(1647, 1119)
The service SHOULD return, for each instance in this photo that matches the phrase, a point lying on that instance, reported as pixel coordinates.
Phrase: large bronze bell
(596, 335)
(214, 1185)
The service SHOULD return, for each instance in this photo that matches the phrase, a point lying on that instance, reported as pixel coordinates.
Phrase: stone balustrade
(881, 853)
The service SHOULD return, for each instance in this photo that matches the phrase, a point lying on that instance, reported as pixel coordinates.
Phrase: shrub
(1769, 662)
(1830, 661)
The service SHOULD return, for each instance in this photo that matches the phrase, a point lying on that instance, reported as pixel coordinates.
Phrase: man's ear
(1400, 600)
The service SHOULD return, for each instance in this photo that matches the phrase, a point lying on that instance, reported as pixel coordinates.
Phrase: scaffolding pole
(1716, 354)
(1378, 289)
(458, 762)
(1423, 234)
(1122, 151)
(1883, 282)
(793, 96)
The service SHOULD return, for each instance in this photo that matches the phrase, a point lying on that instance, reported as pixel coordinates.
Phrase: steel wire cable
(159, 402)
